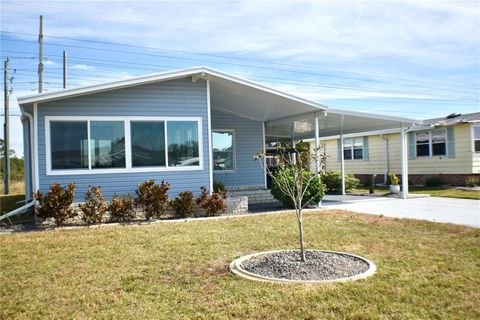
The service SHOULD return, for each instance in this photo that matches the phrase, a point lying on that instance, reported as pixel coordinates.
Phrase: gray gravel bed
(319, 265)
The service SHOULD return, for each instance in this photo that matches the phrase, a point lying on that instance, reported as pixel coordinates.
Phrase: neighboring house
(188, 127)
(448, 146)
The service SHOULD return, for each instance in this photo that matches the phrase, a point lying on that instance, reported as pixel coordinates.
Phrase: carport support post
(342, 157)
(317, 151)
(404, 164)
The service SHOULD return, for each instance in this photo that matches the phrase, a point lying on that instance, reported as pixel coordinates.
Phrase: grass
(448, 192)
(15, 187)
(179, 270)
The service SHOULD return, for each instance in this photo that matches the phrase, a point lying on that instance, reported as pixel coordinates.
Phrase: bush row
(151, 199)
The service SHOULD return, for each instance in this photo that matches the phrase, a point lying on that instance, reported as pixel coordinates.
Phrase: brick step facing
(254, 196)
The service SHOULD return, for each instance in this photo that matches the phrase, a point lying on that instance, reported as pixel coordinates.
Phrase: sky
(417, 59)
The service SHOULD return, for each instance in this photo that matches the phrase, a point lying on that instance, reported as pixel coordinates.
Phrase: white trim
(128, 151)
(31, 145)
(473, 138)
(234, 155)
(354, 135)
(175, 74)
(352, 149)
(36, 186)
(404, 147)
(209, 133)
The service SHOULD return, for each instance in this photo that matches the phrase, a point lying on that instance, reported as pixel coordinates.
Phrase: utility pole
(64, 69)
(6, 140)
(40, 54)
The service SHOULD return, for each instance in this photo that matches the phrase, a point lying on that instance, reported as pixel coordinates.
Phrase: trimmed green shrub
(212, 204)
(94, 207)
(435, 181)
(183, 205)
(121, 209)
(333, 181)
(218, 187)
(57, 203)
(313, 194)
(472, 181)
(152, 198)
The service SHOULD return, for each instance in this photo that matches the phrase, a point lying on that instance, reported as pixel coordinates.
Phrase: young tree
(296, 182)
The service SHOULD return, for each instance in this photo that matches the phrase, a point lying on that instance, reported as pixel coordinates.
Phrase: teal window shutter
(339, 155)
(451, 142)
(365, 148)
(411, 145)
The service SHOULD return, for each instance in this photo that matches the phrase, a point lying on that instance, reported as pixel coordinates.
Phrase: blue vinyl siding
(175, 98)
(248, 142)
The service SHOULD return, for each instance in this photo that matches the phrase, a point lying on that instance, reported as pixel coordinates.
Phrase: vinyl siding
(464, 162)
(180, 97)
(475, 155)
(248, 142)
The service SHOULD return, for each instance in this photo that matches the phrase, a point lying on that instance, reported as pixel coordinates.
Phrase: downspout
(32, 155)
(387, 159)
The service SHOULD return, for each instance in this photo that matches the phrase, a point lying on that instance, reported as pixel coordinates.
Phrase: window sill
(112, 171)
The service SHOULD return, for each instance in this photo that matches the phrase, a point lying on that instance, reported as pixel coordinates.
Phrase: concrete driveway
(450, 210)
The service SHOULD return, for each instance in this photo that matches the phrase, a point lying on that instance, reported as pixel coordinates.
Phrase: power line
(226, 63)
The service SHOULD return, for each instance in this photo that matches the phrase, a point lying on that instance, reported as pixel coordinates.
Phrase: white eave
(197, 72)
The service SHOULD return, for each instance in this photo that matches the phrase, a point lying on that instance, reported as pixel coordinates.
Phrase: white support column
(317, 146)
(342, 157)
(404, 164)
(209, 133)
(294, 155)
(264, 156)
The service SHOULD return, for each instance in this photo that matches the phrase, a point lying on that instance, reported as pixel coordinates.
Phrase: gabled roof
(159, 77)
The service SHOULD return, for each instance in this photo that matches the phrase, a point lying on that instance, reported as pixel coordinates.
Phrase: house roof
(245, 98)
(453, 118)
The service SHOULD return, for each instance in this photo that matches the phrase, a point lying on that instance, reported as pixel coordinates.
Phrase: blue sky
(418, 59)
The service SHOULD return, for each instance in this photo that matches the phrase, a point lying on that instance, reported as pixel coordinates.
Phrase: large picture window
(223, 150)
(148, 143)
(431, 143)
(69, 147)
(353, 149)
(82, 145)
(107, 144)
(182, 143)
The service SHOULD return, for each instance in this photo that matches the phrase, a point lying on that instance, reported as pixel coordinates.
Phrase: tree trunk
(300, 229)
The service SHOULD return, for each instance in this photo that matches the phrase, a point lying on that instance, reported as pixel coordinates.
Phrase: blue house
(189, 127)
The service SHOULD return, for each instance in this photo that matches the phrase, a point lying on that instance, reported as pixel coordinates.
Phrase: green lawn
(179, 270)
(434, 191)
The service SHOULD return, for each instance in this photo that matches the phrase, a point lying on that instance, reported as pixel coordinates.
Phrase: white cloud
(82, 67)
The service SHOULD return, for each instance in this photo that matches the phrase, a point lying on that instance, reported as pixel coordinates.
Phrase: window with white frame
(223, 150)
(98, 144)
(476, 138)
(353, 149)
(431, 143)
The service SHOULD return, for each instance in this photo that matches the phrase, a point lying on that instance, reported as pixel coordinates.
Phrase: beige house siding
(464, 162)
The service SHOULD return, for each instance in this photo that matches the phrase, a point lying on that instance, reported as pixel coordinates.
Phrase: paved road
(450, 210)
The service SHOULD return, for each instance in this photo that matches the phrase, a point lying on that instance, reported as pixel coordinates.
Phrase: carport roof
(247, 99)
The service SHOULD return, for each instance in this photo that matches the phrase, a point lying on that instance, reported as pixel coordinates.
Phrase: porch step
(254, 196)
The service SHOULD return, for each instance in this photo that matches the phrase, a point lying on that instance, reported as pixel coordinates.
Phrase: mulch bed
(319, 265)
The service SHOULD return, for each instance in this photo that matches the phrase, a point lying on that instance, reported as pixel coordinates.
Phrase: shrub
(152, 198)
(434, 181)
(94, 207)
(57, 203)
(333, 181)
(183, 205)
(313, 194)
(393, 179)
(218, 186)
(121, 208)
(472, 181)
(212, 204)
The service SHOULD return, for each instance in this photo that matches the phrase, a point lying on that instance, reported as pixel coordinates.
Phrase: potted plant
(394, 183)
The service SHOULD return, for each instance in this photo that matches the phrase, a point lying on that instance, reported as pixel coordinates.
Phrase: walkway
(450, 210)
